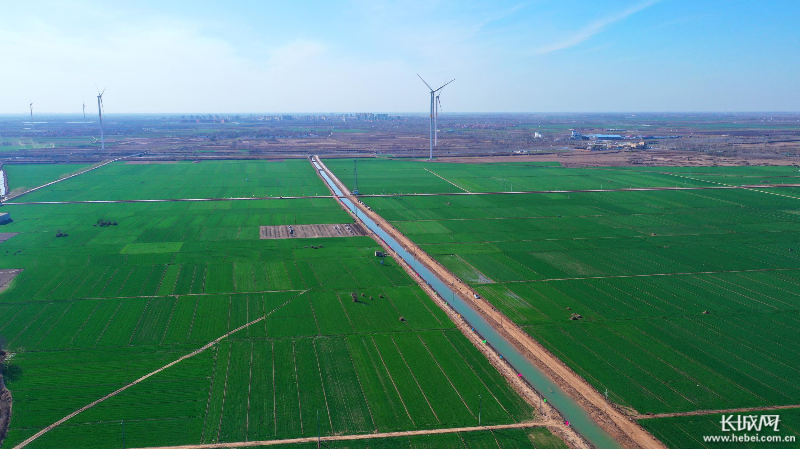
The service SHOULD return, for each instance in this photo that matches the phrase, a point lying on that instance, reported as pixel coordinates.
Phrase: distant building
(607, 137)
(577, 136)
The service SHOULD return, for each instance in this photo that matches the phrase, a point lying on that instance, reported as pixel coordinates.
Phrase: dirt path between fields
(704, 412)
(286, 442)
(646, 275)
(24, 443)
(161, 200)
(445, 179)
(622, 427)
(579, 191)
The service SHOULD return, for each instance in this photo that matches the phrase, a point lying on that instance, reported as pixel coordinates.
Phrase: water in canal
(578, 418)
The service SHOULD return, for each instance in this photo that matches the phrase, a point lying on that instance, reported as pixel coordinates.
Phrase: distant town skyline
(362, 56)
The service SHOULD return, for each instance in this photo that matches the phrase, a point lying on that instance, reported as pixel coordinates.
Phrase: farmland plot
(688, 431)
(683, 297)
(96, 310)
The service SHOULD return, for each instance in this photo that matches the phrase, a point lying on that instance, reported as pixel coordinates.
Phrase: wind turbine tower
(100, 112)
(433, 112)
(84, 114)
(31, 106)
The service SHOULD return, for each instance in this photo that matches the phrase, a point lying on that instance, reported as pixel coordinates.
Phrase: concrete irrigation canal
(578, 418)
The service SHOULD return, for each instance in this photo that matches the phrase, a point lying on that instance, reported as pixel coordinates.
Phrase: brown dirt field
(625, 430)
(6, 276)
(311, 231)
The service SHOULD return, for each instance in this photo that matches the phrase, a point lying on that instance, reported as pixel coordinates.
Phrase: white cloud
(172, 66)
(593, 29)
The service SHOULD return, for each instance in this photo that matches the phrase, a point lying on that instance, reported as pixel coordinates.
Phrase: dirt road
(287, 442)
(619, 425)
(716, 411)
(579, 191)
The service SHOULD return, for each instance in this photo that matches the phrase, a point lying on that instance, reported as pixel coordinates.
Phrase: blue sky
(325, 56)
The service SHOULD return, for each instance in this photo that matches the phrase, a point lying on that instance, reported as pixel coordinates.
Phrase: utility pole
(355, 174)
(123, 434)
(480, 404)
(318, 433)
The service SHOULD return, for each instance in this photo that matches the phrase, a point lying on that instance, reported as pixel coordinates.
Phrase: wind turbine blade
(440, 87)
(426, 83)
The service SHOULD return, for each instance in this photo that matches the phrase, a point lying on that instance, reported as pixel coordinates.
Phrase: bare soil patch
(312, 231)
(6, 275)
(6, 236)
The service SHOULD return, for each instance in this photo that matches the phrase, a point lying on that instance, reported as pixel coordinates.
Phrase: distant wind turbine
(100, 113)
(31, 106)
(433, 112)
(84, 114)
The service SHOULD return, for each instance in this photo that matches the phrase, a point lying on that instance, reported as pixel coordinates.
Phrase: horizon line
(415, 113)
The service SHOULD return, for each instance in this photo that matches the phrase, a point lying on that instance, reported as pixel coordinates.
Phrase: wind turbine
(433, 113)
(436, 120)
(31, 106)
(100, 112)
(84, 114)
